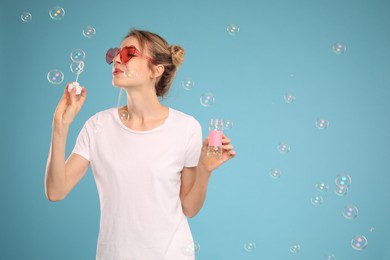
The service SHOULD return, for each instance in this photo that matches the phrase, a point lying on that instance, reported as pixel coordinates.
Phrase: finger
(227, 147)
(232, 153)
(73, 97)
(226, 140)
(82, 97)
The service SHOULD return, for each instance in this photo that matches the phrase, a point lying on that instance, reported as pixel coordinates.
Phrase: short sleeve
(82, 146)
(194, 144)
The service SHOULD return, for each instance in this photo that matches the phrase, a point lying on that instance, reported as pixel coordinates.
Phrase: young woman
(150, 166)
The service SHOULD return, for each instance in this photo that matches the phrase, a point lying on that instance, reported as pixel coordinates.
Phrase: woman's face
(136, 71)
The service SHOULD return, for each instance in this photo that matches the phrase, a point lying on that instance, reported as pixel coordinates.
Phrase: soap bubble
(124, 115)
(227, 124)
(77, 67)
(55, 76)
(339, 48)
(289, 98)
(26, 17)
(190, 248)
(97, 129)
(77, 55)
(341, 191)
(89, 31)
(131, 74)
(275, 173)
(322, 123)
(233, 29)
(188, 84)
(343, 180)
(329, 256)
(295, 248)
(359, 242)
(249, 246)
(371, 229)
(316, 200)
(350, 212)
(322, 186)
(283, 148)
(207, 99)
(57, 13)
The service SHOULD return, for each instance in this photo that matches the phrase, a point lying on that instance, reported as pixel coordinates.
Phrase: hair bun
(177, 53)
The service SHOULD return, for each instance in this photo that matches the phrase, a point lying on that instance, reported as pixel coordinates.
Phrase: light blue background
(282, 47)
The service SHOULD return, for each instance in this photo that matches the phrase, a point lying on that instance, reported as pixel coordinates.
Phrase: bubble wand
(75, 84)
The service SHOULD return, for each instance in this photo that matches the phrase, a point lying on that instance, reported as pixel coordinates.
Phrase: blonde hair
(170, 56)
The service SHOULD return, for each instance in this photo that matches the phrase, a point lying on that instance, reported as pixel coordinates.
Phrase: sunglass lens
(111, 53)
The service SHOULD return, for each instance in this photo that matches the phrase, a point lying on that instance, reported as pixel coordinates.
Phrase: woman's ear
(158, 70)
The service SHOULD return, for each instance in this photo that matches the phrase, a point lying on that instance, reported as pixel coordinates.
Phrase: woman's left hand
(211, 163)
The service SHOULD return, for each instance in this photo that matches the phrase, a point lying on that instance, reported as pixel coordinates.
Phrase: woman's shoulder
(184, 118)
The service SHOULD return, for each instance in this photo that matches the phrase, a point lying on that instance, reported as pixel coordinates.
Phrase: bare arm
(194, 180)
(61, 176)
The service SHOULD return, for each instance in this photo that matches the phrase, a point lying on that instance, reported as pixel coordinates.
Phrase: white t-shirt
(138, 176)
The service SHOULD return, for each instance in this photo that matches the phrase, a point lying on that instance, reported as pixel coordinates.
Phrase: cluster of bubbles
(77, 66)
(58, 13)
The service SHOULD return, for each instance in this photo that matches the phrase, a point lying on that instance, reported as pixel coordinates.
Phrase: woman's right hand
(69, 106)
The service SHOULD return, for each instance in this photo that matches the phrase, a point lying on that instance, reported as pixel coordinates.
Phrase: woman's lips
(117, 71)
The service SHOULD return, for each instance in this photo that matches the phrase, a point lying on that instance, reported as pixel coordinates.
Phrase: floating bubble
(250, 246)
(341, 191)
(207, 99)
(275, 173)
(371, 229)
(55, 76)
(295, 248)
(283, 148)
(77, 67)
(190, 248)
(89, 31)
(339, 48)
(227, 124)
(124, 115)
(57, 13)
(350, 212)
(289, 98)
(188, 84)
(322, 186)
(329, 256)
(322, 123)
(26, 17)
(77, 55)
(343, 180)
(359, 242)
(97, 130)
(316, 200)
(131, 74)
(233, 29)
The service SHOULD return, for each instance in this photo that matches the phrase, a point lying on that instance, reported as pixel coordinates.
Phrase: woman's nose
(117, 58)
